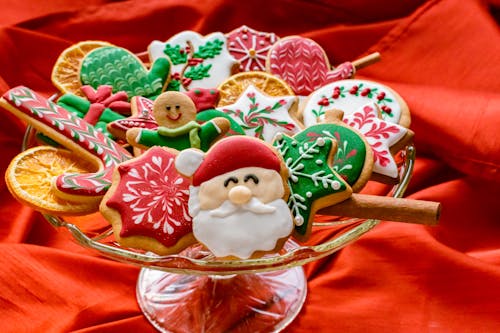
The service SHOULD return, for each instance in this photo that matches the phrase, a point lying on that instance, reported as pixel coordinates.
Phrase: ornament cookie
(263, 116)
(197, 61)
(175, 114)
(250, 47)
(313, 183)
(238, 197)
(147, 205)
(142, 117)
(381, 135)
(73, 133)
(349, 96)
(124, 71)
(353, 160)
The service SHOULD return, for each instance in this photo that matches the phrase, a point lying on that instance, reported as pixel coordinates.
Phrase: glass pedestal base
(260, 302)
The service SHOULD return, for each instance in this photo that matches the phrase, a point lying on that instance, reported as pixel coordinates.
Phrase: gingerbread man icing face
(173, 109)
(237, 197)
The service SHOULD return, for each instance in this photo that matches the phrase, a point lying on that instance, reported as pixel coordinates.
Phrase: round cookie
(250, 47)
(238, 197)
(147, 204)
(349, 96)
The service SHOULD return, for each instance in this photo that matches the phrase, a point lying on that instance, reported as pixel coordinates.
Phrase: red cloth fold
(443, 57)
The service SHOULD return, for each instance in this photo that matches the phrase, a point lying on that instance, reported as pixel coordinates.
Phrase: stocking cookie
(238, 197)
(198, 61)
(124, 71)
(313, 183)
(349, 96)
(263, 116)
(353, 160)
(381, 136)
(250, 47)
(175, 114)
(147, 205)
(73, 133)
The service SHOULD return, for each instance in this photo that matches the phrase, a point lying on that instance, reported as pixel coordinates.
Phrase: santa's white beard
(233, 230)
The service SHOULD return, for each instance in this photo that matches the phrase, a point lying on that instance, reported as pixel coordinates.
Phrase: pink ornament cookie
(238, 197)
(147, 205)
(263, 116)
(250, 47)
(304, 65)
(142, 117)
(73, 133)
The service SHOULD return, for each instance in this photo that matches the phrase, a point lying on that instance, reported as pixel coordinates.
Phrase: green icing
(191, 129)
(210, 49)
(349, 161)
(198, 72)
(115, 66)
(310, 178)
(206, 115)
(175, 54)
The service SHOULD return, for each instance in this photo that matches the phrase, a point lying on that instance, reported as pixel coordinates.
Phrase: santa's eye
(177, 107)
(230, 179)
(252, 177)
(168, 107)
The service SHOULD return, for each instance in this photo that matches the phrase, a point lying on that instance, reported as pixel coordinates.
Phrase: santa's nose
(239, 194)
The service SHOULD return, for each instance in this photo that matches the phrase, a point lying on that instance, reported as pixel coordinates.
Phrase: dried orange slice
(235, 85)
(66, 71)
(29, 179)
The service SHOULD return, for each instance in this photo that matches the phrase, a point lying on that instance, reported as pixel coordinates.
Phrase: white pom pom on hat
(188, 161)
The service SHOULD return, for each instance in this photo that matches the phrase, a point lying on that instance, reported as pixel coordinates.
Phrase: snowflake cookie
(147, 204)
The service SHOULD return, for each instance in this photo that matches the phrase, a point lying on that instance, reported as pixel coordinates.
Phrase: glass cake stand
(193, 291)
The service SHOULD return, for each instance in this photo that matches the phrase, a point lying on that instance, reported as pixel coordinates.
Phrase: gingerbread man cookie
(197, 61)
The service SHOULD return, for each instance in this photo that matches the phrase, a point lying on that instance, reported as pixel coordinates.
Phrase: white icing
(221, 65)
(188, 161)
(281, 113)
(243, 232)
(350, 103)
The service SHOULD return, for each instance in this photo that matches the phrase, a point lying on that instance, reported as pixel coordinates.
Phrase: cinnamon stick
(366, 60)
(387, 209)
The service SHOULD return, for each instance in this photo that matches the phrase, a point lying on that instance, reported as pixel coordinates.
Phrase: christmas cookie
(381, 135)
(349, 96)
(147, 205)
(175, 114)
(197, 61)
(232, 88)
(124, 71)
(238, 197)
(250, 47)
(353, 160)
(142, 117)
(313, 183)
(73, 133)
(263, 116)
(207, 115)
(304, 65)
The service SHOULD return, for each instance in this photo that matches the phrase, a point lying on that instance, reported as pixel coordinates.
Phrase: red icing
(143, 118)
(152, 198)
(203, 98)
(234, 153)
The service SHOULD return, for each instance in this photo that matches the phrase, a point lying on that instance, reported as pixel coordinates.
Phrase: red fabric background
(443, 57)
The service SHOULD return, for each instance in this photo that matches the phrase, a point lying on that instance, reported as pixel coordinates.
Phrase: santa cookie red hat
(229, 154)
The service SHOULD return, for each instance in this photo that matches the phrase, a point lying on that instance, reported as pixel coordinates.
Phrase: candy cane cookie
(73, 133)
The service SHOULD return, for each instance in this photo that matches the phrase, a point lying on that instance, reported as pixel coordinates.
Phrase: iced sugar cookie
(313, 183)
(263, 116)
(147, 205)
(142, 117)
(349, 96)
(73, 133)
(238, 197)
(250, 47)
(197, 61)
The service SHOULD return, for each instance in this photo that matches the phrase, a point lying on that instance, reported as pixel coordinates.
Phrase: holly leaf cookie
(147, 205)
(263, 116)
(313, 183)
(124, 71)
(197, 61)
(349, 96)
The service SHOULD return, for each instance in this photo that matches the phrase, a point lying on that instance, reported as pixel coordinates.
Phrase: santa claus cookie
(250, 47)
(238, 197)
(147, 204)
(197, 61)
(349, 96)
